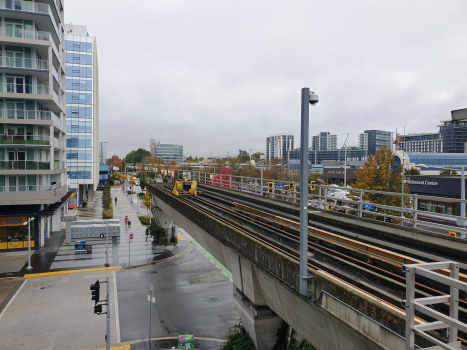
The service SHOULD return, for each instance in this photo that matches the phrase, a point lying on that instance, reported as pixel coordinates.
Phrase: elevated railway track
(371, 269)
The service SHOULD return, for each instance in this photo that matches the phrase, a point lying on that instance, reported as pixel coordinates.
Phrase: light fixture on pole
(402, 200)
(308, 97)
(29, 242)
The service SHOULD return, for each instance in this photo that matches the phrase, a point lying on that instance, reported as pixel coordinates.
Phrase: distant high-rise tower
(278, 145)
(324, 141)
(374, 140)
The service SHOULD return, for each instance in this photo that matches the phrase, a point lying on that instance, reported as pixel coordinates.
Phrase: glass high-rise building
(82, 107)
(170, 152)
(33, 180)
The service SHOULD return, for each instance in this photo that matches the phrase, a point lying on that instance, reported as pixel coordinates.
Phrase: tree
(137, 156)
(143, 180)
(243, 156)
(117, 176)
(412, 171)
(115, 161)
(257, 155)
(448, 172)
(381, 174)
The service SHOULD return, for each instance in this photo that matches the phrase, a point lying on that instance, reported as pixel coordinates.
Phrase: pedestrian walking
(126, 220)
(115, 200)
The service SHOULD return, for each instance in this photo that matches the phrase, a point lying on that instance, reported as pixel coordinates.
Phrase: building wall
(377, 139)
(454, 135)
(83, 111)
(421, 143)
(170, 152)
(317, 157)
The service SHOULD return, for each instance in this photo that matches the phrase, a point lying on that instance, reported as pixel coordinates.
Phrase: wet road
(193, 296)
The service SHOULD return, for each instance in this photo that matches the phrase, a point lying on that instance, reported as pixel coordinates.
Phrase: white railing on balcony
(28, 6)
(25, 34)
(25, 114)
(7, 139)
(27, 63)
(21, 88)
(24, 165)
(28, 188)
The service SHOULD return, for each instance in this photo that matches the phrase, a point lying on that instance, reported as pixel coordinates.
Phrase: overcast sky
(216, 76)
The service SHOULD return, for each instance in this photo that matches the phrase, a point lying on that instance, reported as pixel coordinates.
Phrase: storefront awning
(51, 209)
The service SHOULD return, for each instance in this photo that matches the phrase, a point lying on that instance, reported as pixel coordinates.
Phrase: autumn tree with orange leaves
(115, 161)
(381, 174)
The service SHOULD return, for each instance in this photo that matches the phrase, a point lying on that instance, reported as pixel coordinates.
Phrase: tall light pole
(307, 99)
(402, 197)
(29, 242)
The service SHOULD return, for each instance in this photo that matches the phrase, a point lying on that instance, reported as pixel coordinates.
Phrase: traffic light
(95, 293)
(98, 309)
(291, 186)
(270, 186)
(312, 187)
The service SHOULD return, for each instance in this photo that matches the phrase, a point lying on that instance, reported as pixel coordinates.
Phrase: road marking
(71, 271)
(213, 259)
(180, 237)
(117, 317)
(11, 300)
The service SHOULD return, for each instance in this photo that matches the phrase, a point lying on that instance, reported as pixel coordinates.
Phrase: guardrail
(350, 201)
(24, 165)
(24, 140)
(21, 88)
(28, 188)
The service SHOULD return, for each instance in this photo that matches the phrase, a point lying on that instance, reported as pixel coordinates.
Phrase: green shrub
(174, 239)
(144, 220)
(238, 339)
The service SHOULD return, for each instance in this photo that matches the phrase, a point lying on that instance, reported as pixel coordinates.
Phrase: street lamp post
(29, 242)
(307, 99)
(402, 197)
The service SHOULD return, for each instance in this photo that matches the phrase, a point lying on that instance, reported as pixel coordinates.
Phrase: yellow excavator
(185, 188)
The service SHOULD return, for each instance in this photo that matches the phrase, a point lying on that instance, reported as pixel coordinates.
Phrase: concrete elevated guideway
(337, 316)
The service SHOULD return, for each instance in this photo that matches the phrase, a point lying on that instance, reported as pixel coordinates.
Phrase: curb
(186, 251)
(71, 271)
(156, 339)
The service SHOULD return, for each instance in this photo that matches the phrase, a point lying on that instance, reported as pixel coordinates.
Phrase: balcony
(21, 114)
(24, 165)
(59, 165)
(25, 34)
(24, 140)
(29, 188)
(21, 88)
(31, 7)
(23, 63)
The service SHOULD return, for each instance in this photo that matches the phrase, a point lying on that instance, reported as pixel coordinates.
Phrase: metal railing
(21, 62)
(25, 33)
(29, 188)
(350, 201)
(24, 88)
(424, 305)
(24, 140)
(26, 114)
(24, 165)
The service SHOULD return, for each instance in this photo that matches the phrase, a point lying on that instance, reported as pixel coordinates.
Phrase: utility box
(186, 342)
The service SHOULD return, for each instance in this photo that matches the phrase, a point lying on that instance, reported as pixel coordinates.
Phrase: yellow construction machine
(185, 188)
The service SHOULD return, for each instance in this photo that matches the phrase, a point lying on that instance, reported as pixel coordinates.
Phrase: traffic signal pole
(107, 337)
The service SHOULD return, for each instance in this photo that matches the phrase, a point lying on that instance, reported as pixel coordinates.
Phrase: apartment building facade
(324, 141)
(33, 179)
(374, 140)
(278, 146)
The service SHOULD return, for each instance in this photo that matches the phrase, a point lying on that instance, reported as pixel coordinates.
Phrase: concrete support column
(260, 322)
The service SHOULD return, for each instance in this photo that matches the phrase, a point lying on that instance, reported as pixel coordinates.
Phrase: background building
(33, 181)
(317, 157)
(82, 106)
(103, 175)
(426, 142)
(454, 132)
(153, 147)
(278, 146)
(102, 153)
(170, 152)
(374, 140)
(324, 141)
